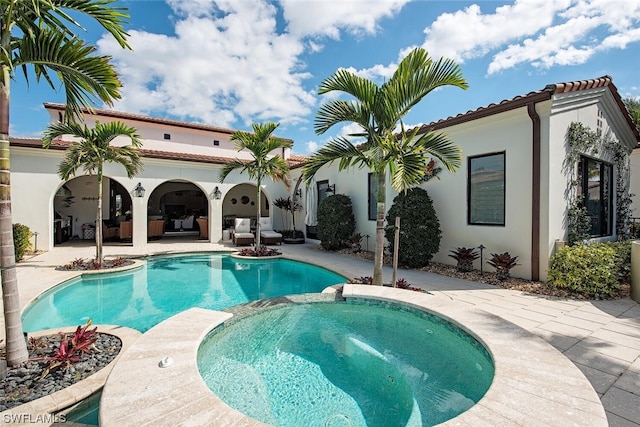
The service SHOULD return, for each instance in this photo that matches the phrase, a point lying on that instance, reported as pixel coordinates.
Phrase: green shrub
(592, 270)
(336, 222)
(419, 228)
(21, 240)
(623, 260)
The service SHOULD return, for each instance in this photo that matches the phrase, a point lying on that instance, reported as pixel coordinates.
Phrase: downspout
(535, 192)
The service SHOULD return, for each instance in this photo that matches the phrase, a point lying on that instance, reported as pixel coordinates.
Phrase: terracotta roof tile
(148, 119)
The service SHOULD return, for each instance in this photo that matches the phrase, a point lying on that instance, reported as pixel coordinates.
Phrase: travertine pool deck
(601, 338)
(534, 384)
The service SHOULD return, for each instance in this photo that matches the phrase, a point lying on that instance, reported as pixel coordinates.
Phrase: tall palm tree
(39, 34)
(91, 152)
(259, 144)
(378, 110)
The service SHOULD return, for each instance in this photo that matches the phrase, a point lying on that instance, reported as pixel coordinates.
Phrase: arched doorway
(75, 204)
(240, 202)
(177, 208)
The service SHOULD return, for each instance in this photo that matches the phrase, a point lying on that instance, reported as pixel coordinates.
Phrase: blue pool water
(345, 364)
(165, 286)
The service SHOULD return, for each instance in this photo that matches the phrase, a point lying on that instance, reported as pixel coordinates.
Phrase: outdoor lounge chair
(242, 232)
(267, 235)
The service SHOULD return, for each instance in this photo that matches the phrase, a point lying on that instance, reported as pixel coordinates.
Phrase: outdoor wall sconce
(216, 194)
(138, 191)
(331, 189)
(298, 192)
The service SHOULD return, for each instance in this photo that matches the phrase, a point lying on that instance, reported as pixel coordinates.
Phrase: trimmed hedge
(21, 243)
(595, 270)
(336, 222)
(419, 228)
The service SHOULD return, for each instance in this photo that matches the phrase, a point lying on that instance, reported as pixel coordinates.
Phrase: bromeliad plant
(71, 348)
(260, 251)
(503, 263)
(464, 257)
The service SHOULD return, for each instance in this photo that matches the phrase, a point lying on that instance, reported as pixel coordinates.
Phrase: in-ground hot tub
(337, 363)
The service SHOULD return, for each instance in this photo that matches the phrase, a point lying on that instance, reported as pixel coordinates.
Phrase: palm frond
(85, 76)
(340, 149)
(93, 148)
(230, 166)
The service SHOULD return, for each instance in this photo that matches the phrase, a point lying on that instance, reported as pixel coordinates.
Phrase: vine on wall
(582, 140)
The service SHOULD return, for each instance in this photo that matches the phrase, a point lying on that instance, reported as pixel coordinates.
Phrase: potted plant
(290, 235)
(465, 258)
(503, 263)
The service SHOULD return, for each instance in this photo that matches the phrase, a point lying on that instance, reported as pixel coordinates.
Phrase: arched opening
(240, 202)
(74, 210)
(177, 209)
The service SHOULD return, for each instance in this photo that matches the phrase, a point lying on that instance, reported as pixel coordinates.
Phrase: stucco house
(509, 195)
(179, 186)
(511, 192)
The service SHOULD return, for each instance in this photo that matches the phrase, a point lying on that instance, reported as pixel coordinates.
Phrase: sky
(231, 63)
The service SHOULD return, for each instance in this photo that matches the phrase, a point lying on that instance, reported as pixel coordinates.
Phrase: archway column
(215, 221)
(139, 217)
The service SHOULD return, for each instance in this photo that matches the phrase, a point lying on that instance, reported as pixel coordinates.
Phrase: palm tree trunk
(99, 220)
(16, 346)
(379, 252)
(258, 216)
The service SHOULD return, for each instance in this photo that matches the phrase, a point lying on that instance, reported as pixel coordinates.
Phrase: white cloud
(216, 68)
(311, 146)
(318, 18)
(540, 33)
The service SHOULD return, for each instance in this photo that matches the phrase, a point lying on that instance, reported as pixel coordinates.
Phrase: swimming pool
(167, 285)
(345, 364)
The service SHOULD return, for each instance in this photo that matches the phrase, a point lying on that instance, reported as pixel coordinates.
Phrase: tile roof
(294, 161)
(536, 96)
(147, 119)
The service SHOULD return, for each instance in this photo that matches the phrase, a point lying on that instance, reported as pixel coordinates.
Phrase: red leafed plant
(262, 250)
(364, 280)
(71, 346)
(503, 263)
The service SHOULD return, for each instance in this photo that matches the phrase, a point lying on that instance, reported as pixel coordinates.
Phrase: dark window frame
(606, 213)
(470, 160)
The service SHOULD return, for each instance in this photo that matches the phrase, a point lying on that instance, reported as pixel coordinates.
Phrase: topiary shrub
(591, 270)
(21, 237)
(336, 222)
(419, 228)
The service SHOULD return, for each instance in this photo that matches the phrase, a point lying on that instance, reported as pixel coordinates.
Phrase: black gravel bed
(25, 383)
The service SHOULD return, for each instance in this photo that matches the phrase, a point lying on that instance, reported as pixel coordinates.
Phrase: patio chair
(267, 235)
(242, 232)
(109, 232)
(126, 230)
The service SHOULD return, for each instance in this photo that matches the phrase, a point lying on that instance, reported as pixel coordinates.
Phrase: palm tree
(92, 152)
(36, 33)
(259, 144)
(377, 110)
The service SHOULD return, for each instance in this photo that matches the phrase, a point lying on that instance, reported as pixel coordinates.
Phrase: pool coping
(68, 396)
(534, 384)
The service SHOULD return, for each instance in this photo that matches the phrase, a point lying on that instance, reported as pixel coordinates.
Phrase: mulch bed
(488, 277)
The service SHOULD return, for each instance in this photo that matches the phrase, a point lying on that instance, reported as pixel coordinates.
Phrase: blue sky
(231, 63)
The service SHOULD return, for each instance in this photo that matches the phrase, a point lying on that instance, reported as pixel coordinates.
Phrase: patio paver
(611, 331)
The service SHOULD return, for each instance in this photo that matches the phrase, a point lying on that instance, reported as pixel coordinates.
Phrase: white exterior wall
(34, 182)
(509, 132)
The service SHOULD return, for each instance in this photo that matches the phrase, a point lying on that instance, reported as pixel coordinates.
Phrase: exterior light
(217, 194)
(138, 191)
(331, 189)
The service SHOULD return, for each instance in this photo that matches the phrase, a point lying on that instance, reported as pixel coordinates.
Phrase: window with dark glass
(595, 179)
(373, 197)
(486, 189)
